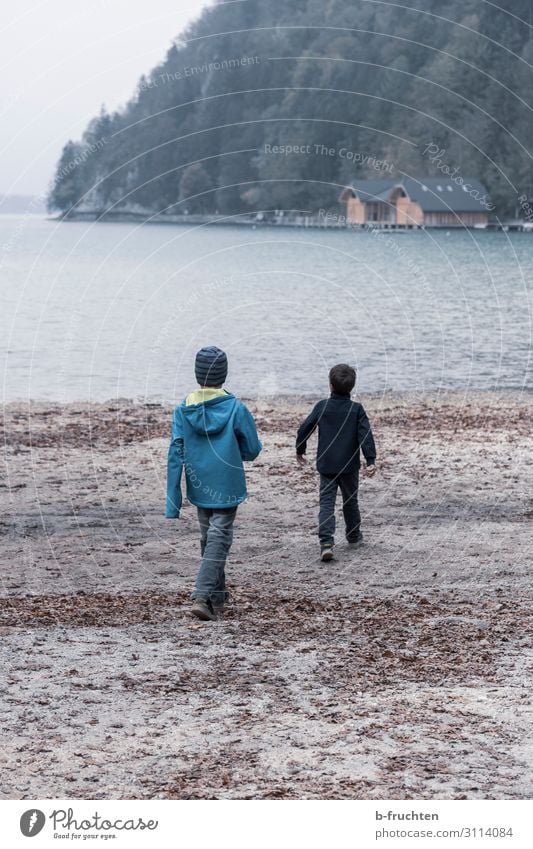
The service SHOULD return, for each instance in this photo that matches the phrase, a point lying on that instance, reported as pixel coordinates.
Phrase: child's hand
(370, 471)
(301, 460)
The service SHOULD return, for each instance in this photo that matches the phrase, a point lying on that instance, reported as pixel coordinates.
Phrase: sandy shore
(402, 670)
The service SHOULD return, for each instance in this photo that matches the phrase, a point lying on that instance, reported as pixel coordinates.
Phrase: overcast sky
(60, 60)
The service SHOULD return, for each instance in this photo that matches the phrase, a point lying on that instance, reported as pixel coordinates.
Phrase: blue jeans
(216, 536)
(348, 485)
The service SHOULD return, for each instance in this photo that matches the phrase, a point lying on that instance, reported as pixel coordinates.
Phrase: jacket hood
(212, 416)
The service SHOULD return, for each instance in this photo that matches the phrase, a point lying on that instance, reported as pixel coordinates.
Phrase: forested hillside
(275, 105)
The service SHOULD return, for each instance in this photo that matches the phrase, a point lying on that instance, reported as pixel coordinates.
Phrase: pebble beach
(400, 670)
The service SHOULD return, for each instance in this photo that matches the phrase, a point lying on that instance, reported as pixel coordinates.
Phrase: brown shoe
(203, 610)
(326, 553)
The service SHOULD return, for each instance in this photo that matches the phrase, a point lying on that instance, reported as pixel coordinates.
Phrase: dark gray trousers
(216, 536)
(349, 486)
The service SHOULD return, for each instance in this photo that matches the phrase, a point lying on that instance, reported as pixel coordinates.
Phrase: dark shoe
(218, 606)
(203, 610)
(356, 542)
(326, 553)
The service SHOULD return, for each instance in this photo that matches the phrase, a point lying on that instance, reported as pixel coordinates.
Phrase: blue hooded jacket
(210, 441)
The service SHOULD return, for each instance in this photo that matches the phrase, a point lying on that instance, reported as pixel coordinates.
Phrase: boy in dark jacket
(343, 430)
(212, 433)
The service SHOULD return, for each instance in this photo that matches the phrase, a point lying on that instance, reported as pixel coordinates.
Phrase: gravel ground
(401, 670)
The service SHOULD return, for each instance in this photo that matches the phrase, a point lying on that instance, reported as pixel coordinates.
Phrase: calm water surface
(99, 311)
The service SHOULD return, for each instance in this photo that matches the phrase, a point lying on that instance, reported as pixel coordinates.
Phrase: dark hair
(342, 379)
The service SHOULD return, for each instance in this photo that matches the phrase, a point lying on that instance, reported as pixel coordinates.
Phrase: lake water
(99, 311)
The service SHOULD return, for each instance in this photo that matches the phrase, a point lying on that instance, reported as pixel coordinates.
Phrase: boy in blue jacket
(212, 433)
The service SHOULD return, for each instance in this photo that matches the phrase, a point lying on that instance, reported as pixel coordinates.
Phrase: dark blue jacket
(209, 442)
(343, 430)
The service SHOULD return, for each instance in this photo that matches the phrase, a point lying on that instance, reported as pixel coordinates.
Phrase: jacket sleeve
(365, 437)
(175, 467)
(246, 433)
(306, 429)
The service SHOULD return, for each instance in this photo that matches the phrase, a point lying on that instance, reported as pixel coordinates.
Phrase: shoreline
(399, 671)
(408, 396)
(247, 219)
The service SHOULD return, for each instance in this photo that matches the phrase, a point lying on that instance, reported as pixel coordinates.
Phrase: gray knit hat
(211, 366)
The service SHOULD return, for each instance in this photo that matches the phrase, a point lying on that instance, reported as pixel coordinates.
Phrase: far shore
(329, 220)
